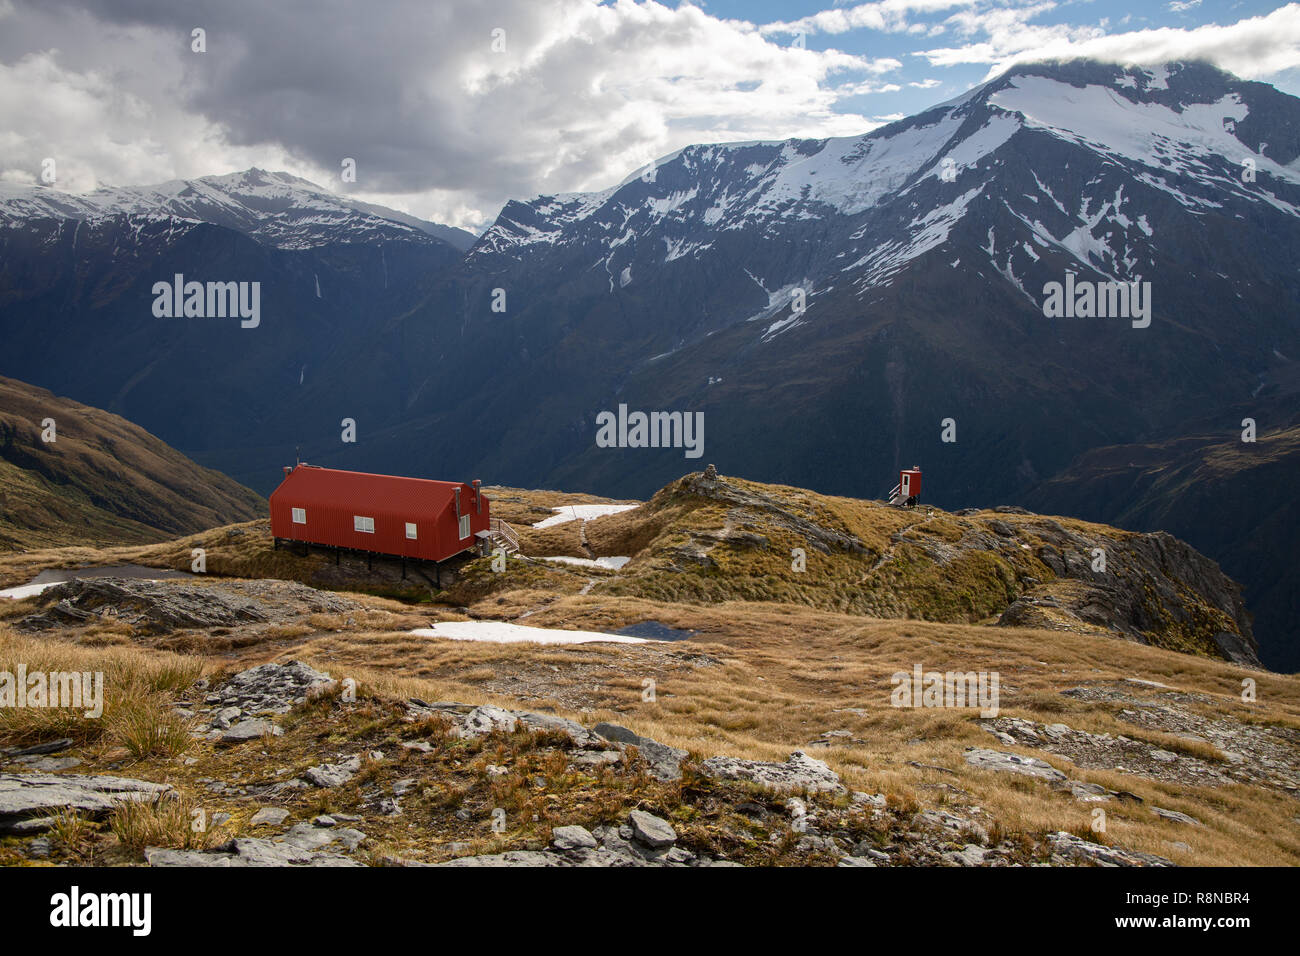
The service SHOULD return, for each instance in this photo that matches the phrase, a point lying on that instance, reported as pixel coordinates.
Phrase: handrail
(502, 528)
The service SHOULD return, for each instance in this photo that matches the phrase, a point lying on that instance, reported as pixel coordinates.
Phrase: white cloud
(439, 124)
(1252, 48)
(891, 16)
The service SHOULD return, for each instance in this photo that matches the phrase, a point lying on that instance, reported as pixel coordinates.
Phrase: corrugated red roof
(410, 498)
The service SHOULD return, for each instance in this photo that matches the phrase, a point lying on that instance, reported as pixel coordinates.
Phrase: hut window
(363, 524)
(464, 526)
(410, 530)
(299, 515)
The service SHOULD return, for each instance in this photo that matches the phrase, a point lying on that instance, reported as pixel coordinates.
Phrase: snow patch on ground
(501, 632)
(27, 590)
(568, 513)
(611, 564)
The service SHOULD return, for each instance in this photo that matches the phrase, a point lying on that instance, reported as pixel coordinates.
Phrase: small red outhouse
(908, 489)
(909, 483)
(383, 514)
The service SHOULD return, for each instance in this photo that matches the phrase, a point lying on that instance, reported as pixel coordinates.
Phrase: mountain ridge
(918, 281)
(252, 201)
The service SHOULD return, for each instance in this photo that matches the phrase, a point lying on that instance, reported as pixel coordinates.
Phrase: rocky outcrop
(1004, 565)
(159, 607)
(798, 773)
(269, 688)
(644, 840)
(1068, 848)
(304, 845)
(1105, 751)
(1154, 589)
(665, 762)
(1013, 763)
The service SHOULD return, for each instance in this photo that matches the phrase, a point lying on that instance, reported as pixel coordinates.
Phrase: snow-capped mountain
(77, 295)
(920, 253)
(874, 203)
(274, 208)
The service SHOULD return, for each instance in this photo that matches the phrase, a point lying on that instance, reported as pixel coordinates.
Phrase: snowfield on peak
(1195, 140)
(278, 208)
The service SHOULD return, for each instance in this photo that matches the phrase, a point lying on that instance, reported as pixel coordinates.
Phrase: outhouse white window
(410, 530)
(363, 524)
(299, 515)
(464, 526)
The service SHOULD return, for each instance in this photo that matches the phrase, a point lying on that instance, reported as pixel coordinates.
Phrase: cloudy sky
(450, 107)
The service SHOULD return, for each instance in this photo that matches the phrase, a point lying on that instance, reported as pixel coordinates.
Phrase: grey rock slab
(547, 858)
(246, 851)
(1090, 792)
(579, 734)
(799, 772)
(273, 688)
(484, 720)
(572, 838)
(332, 774)
(650, 830)
(225, 717)
(1068, 848)
(29, 794)
(1013, 763)
(247, 730)
(269, 816)
(29, 825)
(971, 854)
(664, 761)
(36, 750)
(617, 733)
(1175, 816)
(308, 837)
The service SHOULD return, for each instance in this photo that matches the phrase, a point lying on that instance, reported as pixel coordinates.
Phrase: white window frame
(464, 527)
(363, 524)
(299, 515)
(412, 532)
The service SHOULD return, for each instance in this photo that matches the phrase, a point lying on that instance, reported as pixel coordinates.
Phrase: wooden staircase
(503, 535)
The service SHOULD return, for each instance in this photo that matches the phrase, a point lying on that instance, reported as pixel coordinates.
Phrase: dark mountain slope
(102, 480)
